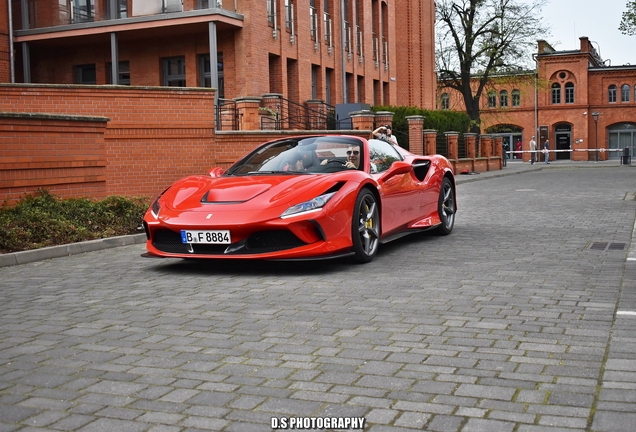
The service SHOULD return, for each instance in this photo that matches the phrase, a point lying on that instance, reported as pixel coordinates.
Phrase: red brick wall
(64, 154)
(5, 66)
(154, 136)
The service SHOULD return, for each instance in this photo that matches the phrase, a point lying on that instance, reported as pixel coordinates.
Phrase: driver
(353, 157)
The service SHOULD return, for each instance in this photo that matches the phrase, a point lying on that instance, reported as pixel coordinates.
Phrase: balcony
(33, 15)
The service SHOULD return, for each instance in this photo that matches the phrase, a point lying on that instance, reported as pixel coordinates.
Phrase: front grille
(261, 242)
(270, 241)
(168, 241)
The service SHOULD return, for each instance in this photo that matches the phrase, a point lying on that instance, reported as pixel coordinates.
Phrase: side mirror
(216, 172)
(400, 167)
(397, 168)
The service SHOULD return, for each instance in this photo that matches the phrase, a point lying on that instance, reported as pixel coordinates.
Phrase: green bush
(42, 220)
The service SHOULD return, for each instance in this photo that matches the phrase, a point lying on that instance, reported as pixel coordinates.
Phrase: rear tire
(446, 207)
(365, 227)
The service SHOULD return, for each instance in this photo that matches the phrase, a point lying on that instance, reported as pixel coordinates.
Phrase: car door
(400, 201)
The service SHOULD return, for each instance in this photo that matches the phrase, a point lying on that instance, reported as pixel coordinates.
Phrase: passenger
(293, 162)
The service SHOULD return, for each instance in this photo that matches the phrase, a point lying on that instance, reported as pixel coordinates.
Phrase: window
(289, 15)
(82, 11)
(516, 98)
(382, 155)
(86, 74)
(315, 70)
(206, 4)
(124, 73)
(556, 93)
(271, 12)
(328, 74)
(205, 78)
(569, 93)
(445, 101)
(611, 94)
(625, 92)
(503, 98)
(492, 99)
(174, 72)
(120, 11)
(313, 20)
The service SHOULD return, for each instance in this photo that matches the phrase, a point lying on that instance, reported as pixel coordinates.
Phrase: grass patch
(42, 220)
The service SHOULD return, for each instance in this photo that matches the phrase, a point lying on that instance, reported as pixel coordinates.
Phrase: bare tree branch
(477, 38)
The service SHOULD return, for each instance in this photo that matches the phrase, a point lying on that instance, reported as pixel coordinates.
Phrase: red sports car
(303, 198)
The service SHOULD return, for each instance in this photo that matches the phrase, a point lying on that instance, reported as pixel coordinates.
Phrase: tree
(628, 23)
(480, 38)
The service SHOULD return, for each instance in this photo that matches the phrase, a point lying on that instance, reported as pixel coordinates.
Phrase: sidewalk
(518, 167)
(513, 167)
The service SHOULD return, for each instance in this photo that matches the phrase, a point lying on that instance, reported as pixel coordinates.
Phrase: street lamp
(595, 115)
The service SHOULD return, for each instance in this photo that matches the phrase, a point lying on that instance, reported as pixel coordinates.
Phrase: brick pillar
(362, 120)
(451, 143)
(497, 146)
(470, 139)
(485, 146)
(383, 118)
(498, 153)
(247, 108)
(316, 112)
(416, 135)
(430, 141)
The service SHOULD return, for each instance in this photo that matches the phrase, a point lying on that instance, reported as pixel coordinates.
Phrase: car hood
(196, 193)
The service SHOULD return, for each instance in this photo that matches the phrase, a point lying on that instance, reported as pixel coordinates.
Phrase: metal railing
(290, 115)
(226, 115)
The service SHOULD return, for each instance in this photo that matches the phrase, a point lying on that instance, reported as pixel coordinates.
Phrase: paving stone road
(523, 319)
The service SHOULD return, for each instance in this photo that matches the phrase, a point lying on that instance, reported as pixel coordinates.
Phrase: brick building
(333, 51)
(559, 101)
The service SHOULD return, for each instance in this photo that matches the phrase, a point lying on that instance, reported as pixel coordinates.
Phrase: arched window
(445, 101)
(611, 94)
(503, 98)
(625, 92)
(556, 93)
(569, 93)
(516, 98)
(492, 99)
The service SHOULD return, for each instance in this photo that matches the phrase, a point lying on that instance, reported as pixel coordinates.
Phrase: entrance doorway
(621, 136)
(563, 141)
(511, 140)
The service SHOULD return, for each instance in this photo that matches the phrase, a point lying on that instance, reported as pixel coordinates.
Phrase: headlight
(155, 208)
(308, 206)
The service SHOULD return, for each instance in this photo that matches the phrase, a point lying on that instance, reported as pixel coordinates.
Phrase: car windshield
(304, 155)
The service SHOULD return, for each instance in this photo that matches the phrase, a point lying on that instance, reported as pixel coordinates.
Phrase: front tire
(446, 207)
(365, 227)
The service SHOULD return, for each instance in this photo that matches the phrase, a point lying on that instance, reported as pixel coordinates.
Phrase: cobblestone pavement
(523, 319)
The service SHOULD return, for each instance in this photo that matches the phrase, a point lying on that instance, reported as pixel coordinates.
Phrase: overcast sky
(598, 20)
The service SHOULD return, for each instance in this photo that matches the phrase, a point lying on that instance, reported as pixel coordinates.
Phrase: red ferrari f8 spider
(303, 198)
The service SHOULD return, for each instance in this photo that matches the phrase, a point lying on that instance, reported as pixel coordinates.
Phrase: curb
(23, 257)
(459, 179)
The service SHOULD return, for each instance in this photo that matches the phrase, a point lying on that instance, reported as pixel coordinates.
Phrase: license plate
(206, 237)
